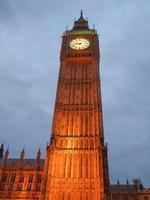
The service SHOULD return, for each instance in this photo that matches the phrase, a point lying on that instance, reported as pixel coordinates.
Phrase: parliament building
(76, 159)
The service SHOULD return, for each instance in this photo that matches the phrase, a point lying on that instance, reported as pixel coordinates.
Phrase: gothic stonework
(128, 191)
(20, 178)
(76, 162)
(75, 158)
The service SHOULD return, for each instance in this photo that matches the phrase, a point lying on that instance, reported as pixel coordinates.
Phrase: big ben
(76, 164)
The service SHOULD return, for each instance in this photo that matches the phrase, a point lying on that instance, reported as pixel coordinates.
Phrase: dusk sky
(30, 40)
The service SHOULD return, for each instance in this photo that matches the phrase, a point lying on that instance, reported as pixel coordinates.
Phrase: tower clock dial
(79, 44)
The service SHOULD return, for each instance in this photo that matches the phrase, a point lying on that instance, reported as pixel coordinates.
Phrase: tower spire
(81, 23)
(81, 13)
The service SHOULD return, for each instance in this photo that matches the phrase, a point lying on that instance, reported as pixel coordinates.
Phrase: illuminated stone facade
(20, 178)
(76, 162)
(128, 191)
(75, 165)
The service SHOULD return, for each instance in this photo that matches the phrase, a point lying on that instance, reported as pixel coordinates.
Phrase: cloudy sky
(30, 39)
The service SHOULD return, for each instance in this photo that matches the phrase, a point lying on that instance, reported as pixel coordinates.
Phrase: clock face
(79, 44)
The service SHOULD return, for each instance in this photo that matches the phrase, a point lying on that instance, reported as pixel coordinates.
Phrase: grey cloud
(5, 10)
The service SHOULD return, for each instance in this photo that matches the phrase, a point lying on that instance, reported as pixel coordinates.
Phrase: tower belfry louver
(76, 165)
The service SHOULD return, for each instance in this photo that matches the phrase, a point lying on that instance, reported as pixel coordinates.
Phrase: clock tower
(76, 164)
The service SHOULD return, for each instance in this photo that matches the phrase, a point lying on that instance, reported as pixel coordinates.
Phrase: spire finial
(127, 181)
(81, 13)
(47, 145)
(7, 151)
(22, 154)
(39, 151)
(38, 156)
(23, 149)
(5, 157)
(118, 182)
(1, 151)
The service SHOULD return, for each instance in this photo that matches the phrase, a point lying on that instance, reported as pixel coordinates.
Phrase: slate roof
(25, 162)
(123, 187)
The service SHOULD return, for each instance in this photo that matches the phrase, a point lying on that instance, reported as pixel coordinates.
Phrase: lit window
(2, 186)
(30, 178)
(19, 187)
(12, 180)
(4, 178)
(11, 187)
(38, 187)
(21, 179)
(29, 187)
(39, 179)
